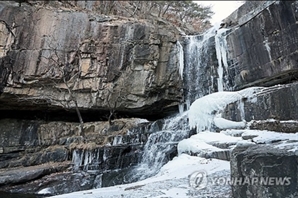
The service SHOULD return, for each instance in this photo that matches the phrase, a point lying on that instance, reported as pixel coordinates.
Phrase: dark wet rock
(25, 174)
(58, 183)
(28, 146)
(262, 49)
(277, 102)
(288, 126)
(275, 160)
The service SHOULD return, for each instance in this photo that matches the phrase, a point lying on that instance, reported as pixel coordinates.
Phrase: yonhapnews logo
(200, 180)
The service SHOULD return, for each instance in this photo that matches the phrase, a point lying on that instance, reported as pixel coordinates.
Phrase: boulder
(267, 171)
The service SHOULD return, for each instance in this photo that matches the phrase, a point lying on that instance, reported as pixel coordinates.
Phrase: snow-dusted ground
(171, 181)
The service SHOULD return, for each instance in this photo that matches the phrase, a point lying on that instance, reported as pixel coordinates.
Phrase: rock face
(44, 152)
(278, 102)
(262, 45)
(257, 46)
(57, 58)
(27, 143)
(54, 58)
(55, 157)
(262, 51)
(270, 162)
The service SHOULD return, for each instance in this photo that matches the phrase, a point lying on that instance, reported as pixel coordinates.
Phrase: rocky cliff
(35, 151)
(262, 51)
(55, 59)
(262, 46)
(59, 58)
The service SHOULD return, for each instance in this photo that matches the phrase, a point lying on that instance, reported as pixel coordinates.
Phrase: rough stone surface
(25, 174)
(277, 102)
(27, 143)
(245, 13)
(265, 161)
(30, 149)
(289, 126)
(126, 64)
(262, 50)
(57, 183)
(102, 156)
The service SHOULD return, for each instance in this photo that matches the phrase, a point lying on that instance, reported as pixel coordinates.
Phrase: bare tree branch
(59, 67)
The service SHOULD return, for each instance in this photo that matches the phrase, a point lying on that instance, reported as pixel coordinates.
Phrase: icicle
(221, 54)
(77, 159)
(266, 44)
(104, 155)
(181, 59)
(181, 108)
(117, 140)
(98, 181)
(187, 102)
(241, 109)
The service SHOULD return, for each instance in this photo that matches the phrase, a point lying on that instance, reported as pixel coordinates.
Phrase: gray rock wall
(42, 152)
(278, 102)
(28, 143)
(107, 62)
(266, 162)
(262, 48)
(262, 51)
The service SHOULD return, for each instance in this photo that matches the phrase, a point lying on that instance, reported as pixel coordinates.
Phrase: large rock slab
(107, 62)
(288, 126)
(262, 46)
(25, 174)
(269, 162)
(29, 142)
(277, 102)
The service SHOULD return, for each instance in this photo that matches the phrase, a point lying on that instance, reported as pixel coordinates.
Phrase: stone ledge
(25, 174)
(277, 161)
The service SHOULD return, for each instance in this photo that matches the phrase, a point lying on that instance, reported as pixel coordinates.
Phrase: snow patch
(233, 132)
(245, 143)
(140, 120)
(172, 180)
(201, 143)
(45, 191)
(285, 145)
(269, 136)
(194, 146)
(222, 123)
